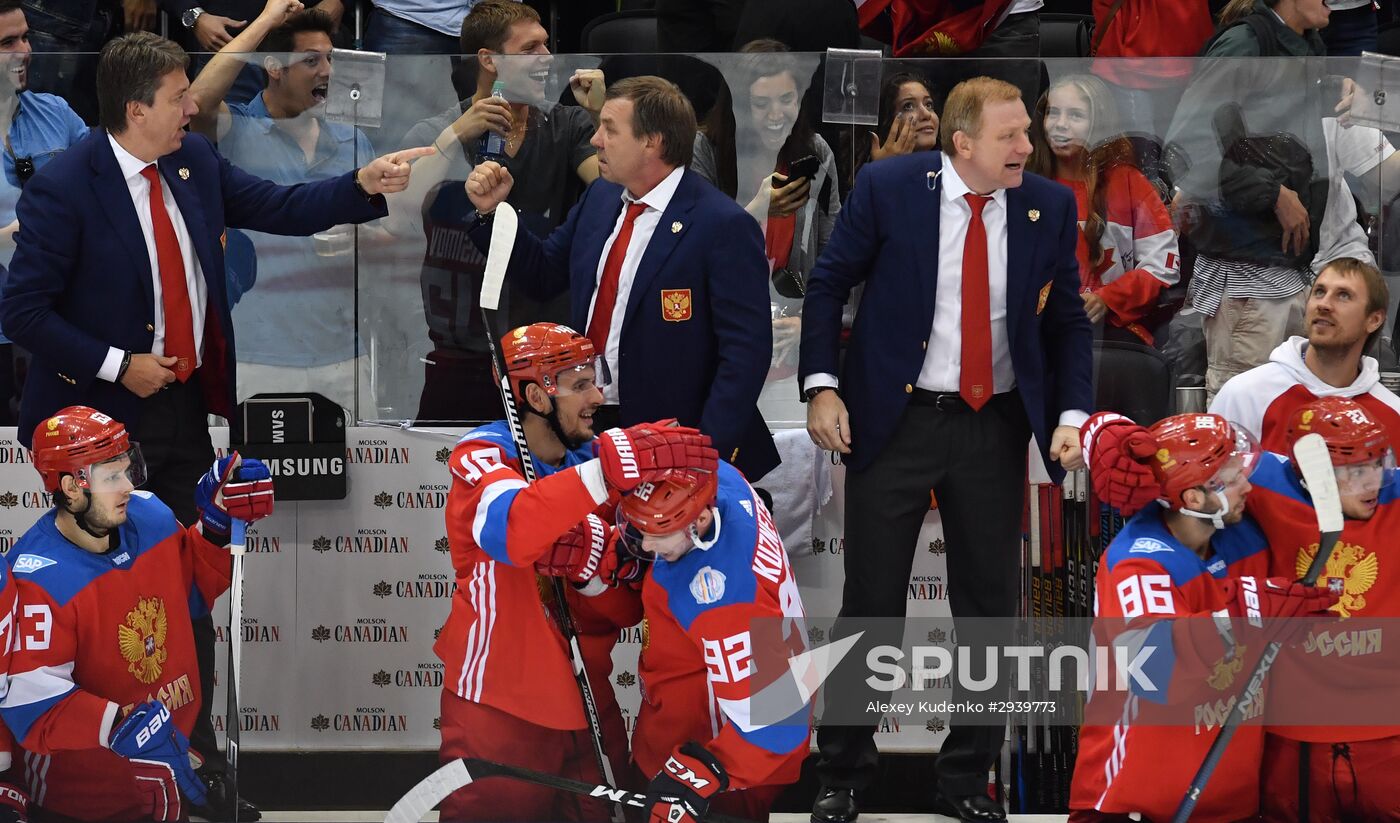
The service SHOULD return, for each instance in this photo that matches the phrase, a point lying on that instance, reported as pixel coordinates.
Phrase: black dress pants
(174, 438)
(975, 462)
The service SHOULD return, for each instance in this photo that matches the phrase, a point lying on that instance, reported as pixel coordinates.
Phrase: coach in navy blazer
(696, 335)
(970, 277)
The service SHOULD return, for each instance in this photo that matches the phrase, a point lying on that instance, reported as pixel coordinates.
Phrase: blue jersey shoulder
(498, 434)
(45, 557)
(723, 574)
(1145, 537)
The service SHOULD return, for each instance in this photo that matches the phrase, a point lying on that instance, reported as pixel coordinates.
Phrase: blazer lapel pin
(184, 174)
(676, 227)
(1033, 214)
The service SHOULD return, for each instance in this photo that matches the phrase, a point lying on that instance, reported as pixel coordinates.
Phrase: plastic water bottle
(492, 146)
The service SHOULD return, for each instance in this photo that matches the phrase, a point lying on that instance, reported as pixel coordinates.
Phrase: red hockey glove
(1268, 604)
(578, 553)
(636, 454)
(235, 487)
(14, 803)
(1114, 448)
(681, 791)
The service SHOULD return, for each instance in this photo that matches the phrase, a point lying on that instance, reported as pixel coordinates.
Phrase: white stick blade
(503, 227)
(1310, 455)
(433, 789)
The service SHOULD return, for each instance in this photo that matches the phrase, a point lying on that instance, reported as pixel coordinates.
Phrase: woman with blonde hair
(1127, 247)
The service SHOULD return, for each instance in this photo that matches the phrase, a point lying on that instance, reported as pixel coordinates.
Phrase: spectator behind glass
(69, 33)
(297, 327)
(908, 121)
(747, 148)
(548, 144)
(1127, 248)
(1249, 157)
(37, 128)
(1149, 40)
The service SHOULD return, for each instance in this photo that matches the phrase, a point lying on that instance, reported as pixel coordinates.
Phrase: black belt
(949, 401)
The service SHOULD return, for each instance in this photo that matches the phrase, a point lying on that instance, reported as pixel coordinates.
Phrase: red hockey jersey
(98, 634)
(1262, 398)
(498, 646)
(707, 650)
(1138, 748)
(1339, 669)
(1140, 250)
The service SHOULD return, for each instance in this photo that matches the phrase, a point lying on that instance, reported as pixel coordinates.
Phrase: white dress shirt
(656, 202)
(140, 189)
(942, 367)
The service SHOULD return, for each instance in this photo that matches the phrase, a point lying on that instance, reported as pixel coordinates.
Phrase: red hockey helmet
(1352, 434)
(670, 504)
(1200, 450)
(1358, 445)
(78, 438)
(542, 352)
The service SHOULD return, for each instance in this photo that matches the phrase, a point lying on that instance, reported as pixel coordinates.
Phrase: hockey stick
(412, 807)
(497, 259)
(1310, 455)
(237, 547)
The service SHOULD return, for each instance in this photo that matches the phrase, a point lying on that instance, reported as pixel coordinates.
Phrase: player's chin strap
(81, 519)
(1216, 518)
(552, 417)
(703, 544)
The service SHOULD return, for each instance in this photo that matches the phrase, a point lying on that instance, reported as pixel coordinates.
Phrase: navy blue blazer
(887, 238)
(697, 335)
(80, 280)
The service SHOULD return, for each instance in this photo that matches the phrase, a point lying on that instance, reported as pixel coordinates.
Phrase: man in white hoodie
(1345, 312)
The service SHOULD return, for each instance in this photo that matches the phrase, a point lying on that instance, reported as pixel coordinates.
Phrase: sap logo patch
(30, 563)
(707, 586)
(1148, 545)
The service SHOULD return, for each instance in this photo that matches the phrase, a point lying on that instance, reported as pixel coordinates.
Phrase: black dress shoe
(835, 805)
(973, 808)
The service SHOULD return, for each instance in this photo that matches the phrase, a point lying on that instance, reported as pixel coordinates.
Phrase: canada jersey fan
(1146, 578)
(498, 646)
(710, 617)
(132, 607)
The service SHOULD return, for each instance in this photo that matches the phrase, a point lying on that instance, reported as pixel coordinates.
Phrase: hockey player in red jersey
(509, 692)
(719, 597)
(1351, 767)
(1164, 575)
(103, 679)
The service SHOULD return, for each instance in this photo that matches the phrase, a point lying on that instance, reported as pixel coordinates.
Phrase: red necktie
(174, 294)
(599, 324)
(975, 382)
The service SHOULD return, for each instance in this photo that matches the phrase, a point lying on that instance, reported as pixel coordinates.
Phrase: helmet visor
(1242, 463)
(579, 378)
(122, 473)
(1367, 478)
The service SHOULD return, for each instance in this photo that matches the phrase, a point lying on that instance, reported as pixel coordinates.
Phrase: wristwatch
(814, 391)
(190, 16)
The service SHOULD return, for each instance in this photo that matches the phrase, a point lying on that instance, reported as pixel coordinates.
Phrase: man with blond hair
(964, 347)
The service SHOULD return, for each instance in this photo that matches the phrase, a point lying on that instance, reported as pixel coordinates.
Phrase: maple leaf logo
(437, 722)
(383, 589)
(937, 636)
(320, 634)
(320, 722)
(321, 544)
(436, 632)
(818, 545)
(442, 455)
(9, 500)
(381, 678)
(626, 680)
(440, 544)
(816, 635)
(935, 725)
(383, 500)
(936, 546)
